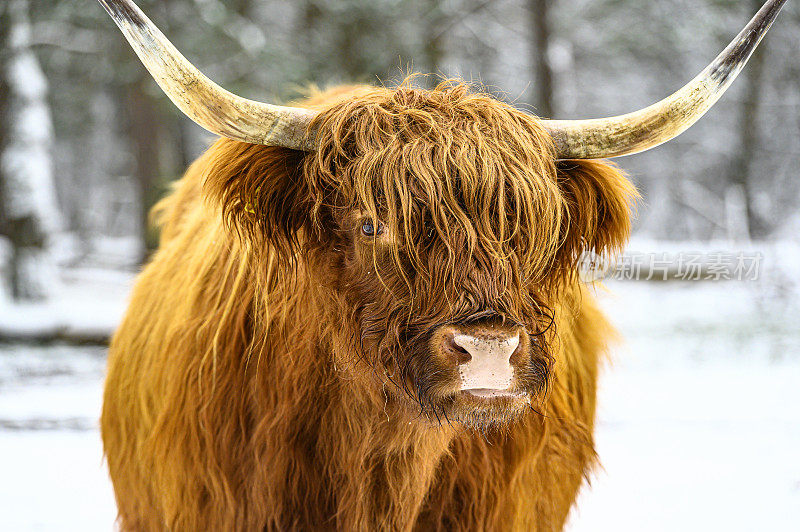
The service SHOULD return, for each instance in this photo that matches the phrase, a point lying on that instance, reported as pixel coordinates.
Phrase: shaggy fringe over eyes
(452, 163)
(459, 163)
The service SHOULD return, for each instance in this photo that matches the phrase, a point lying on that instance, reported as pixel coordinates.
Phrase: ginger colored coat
(260, 379)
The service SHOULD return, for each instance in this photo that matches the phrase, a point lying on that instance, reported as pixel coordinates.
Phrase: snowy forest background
(88, 143)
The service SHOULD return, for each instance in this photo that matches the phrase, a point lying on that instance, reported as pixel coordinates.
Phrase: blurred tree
(354, 41)
(434, 29)
(542, 95)
(28, 207)
(744, 161)
(143, 124)
(438, 22)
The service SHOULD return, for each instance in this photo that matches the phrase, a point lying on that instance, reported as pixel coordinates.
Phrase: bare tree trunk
(542, 94)
(144, 123)
(434, 46)
(28, 206)
(305, 31)
(742, 169)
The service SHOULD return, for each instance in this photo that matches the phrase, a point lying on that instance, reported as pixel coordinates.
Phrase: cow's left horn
(202, 100)
(644, 129)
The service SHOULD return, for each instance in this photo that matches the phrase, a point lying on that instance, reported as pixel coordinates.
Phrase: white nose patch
(490, 367)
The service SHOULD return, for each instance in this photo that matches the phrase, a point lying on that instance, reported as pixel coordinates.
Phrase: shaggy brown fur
(274, 369)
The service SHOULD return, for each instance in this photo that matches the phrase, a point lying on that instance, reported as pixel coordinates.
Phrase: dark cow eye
(370, 228)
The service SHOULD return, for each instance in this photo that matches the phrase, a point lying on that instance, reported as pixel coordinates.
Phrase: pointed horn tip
(125, 11)
(663, 121)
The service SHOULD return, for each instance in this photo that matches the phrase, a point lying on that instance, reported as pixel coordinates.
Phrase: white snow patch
(86, 303)
(54, 481)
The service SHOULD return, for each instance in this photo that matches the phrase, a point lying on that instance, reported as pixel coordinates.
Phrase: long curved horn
(202, 100)
(647, 128)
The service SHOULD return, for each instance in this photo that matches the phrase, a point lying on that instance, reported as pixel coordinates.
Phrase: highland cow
(366, 312)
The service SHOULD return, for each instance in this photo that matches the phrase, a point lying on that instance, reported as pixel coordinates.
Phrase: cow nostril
(461, 355)
(516, 355)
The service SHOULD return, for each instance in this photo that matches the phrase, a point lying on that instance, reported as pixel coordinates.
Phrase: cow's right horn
(202, 100)
(647, 128)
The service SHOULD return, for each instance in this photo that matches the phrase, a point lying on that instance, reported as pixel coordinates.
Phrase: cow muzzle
(486, 356)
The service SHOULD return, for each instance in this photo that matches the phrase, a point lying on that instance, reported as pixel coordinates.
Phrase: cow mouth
(491, 393)
(479, 408)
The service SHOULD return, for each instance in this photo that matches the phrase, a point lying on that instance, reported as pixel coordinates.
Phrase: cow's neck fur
(377, 452)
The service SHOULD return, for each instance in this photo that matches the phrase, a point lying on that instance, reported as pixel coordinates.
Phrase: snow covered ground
(86, 305)
(52, 476)
(699, 424)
